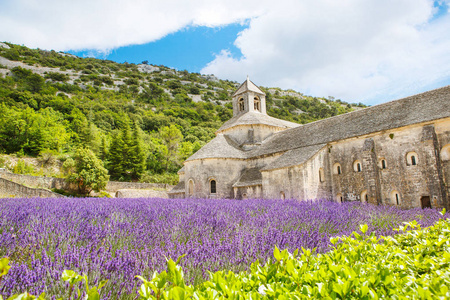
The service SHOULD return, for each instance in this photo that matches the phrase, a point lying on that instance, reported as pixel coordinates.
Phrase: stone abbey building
(396, 153)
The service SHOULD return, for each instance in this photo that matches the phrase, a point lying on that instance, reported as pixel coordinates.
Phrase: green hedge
(414, 264)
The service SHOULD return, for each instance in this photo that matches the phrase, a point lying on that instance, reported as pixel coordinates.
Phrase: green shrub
(22, 167)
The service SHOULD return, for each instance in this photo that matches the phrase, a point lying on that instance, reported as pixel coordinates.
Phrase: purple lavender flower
(117, 239)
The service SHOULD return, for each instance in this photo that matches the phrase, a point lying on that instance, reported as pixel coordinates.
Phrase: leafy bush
(89, 172)
(22, 167)
(57, 76)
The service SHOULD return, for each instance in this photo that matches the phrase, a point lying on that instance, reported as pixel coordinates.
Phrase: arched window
(383, 164)
(445, 153)
(212, 186)
(339, 198)
(364, 197)
(241, 104)
(191, 188)
(337, 169)
(395, 197)
(321, 175)
(256, 103)
(282, 196)
(412, 159)
(357, 166)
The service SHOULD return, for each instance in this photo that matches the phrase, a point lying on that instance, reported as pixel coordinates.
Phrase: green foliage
(57, 76)
(89, 172)
(21, 167)
(171, 137)
(169, 178)
(47, 157)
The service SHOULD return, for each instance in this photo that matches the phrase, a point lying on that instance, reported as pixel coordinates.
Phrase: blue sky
(191, 48)
(368, 51)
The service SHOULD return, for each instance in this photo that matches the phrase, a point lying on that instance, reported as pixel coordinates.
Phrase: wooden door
(425, 202)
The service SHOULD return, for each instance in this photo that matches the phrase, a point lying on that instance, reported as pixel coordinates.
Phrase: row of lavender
(117, 239)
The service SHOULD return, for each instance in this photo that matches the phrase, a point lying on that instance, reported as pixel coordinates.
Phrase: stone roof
(415, 109)
(181, 171)
(179, 188)
(294, 157)
(256, 118)
(248, 86)
(249, 177)
(222, 146)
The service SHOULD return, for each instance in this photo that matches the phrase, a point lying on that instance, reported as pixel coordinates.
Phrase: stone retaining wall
(10, 189)
(158, 189)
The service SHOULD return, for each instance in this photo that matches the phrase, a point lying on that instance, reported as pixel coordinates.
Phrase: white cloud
(355, 50)
(370, 51)
(106, 24)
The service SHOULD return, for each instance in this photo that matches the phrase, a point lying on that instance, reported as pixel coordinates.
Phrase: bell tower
(249, 98)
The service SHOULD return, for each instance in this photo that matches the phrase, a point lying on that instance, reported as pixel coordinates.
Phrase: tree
(89, 172)
(115, 156)
(171, 137)
(136, 155)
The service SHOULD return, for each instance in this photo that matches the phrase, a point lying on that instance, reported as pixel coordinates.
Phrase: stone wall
(10, 189)
(380, 184)
(60, 183)
(114, 186)
(35, 181)
(225, 172)
(133, 193)
(300, 182)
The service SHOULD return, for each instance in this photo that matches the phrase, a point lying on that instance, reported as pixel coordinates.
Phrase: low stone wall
(35, 181)
(9, 189)
(114, 186)
(153, 193)
(158, 189)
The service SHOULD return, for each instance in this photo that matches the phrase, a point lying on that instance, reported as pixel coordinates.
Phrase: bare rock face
(3, 45)
(210, 77)
(147, 68)
(67, 54)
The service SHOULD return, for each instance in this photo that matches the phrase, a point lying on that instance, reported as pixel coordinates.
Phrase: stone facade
(396, 153)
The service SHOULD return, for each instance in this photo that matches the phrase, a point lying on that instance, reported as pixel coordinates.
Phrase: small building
(395, 153)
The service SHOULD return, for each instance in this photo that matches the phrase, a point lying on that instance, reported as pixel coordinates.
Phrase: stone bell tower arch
(249, 98)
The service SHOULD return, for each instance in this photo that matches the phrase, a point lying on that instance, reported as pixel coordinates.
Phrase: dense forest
(141, 120)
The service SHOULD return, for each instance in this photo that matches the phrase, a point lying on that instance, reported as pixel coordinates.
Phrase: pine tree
(115, 156)
(126, 151)
(137, 159)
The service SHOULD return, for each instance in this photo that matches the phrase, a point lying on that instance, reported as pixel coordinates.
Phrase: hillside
(52, 103)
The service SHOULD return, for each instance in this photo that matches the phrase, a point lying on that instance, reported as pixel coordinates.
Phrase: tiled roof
(249, 177)
(294, 157)
(248, 86)
(179, 188)
(256, 118)
(221, 146)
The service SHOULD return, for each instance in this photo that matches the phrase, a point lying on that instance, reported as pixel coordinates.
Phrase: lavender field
(117, 239)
